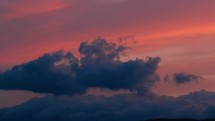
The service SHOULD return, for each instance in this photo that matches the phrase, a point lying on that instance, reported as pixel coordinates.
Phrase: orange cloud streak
(20, 9)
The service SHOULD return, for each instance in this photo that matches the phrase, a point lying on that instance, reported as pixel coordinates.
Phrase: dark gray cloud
(196, 105)
(99, 66)
(42, 75)
(182, 78)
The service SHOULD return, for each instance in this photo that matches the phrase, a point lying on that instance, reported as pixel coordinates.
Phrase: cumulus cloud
(196, 105)
(99, 66)
(182, 78)
(44, 74)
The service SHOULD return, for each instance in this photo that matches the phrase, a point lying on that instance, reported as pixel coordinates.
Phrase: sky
(178, 35)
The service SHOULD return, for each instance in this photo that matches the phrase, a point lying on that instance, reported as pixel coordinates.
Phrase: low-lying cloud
(197, 105)
(99, 66)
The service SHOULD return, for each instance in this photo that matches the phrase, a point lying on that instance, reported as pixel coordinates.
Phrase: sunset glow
(178, 35)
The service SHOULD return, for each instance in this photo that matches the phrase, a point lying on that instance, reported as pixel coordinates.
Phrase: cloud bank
(197, 105)
(99, 66)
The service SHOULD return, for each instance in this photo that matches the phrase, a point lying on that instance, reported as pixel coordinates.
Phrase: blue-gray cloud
(196, 105)
(182, 78)
(99, 66)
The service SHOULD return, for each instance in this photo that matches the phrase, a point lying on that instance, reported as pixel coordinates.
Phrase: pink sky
(181, 32)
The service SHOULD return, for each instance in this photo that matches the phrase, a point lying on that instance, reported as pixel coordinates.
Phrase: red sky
(181, 32)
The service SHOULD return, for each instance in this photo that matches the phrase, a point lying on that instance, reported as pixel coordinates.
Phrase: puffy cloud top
(99, 66)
